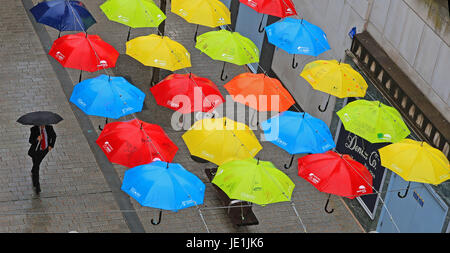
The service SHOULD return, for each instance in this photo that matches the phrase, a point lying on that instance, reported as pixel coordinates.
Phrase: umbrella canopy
(336, 174)
(84, 52)
(297, 36)
(373, 121)
(39, 118)
(257, 91)
(259, 182)
(132, 143)
(159, 51)
(298, 133)
(163, 185)
(63, 15)
(219, 140)
(133, 13)
(105, 96)
(187, 93)
(211, 13)
(228, 46)
(416, 161)
(279, 8)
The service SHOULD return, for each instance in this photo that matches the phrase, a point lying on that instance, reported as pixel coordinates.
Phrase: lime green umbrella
(133, 13)
(227, 46)
(255, 181)
(373, 121)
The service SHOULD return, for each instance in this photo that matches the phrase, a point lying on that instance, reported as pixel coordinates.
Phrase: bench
(242, 216)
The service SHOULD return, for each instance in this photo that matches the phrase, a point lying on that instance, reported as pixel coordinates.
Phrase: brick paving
(75, 194)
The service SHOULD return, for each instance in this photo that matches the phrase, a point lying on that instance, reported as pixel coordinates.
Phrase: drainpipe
(368, 12)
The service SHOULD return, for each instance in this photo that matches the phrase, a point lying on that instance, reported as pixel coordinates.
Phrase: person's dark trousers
(37, 159)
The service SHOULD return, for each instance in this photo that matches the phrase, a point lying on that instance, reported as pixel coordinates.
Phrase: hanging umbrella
(335, 78)
(229, 47)
(255, 181)
(39, 118)
(134, 142)
(219, 140)
(278, 8)
(163, 185)
(106, 96)
(297, 36)
(63, 15)
(261, 88)
(133, 13)
(298, 133)
(336, 174)
(373, 121)
(198, 93)
(415, 161)
(159, 51)
(210, 13)
(84, 52)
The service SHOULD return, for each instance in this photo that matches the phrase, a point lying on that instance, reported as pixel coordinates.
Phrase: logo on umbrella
(253, 4)
(103, 63)
(81, 102)
(134, 192)
(107, 147)
(313, 178)
(60, 56)
(362, 189)
(124, 19)
(186, 202)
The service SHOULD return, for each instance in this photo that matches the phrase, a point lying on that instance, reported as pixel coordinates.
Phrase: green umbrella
(227, 46)
(254, 181)
(373, 121)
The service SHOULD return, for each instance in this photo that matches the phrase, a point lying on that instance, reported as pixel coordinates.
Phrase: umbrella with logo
(415, 161)
(39, 118)
(335, 78)
(210, 13)
(278, 8)
(63, 15)
(163, 185)
(373, 121)
(219, 140)
(336, 174)
(298, 133)
(134, 142)
(229, 47)
(84, 52)
(133, 13)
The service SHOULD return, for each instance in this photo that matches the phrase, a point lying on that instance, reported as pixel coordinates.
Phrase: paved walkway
(80, 191)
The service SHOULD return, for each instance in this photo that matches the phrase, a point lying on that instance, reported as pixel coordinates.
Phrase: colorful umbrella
(255, 181)
(337, 174)
(163, 185)
(373, 121)
(133, 13)
(297, 36)
(63, 15)
(278, 8)
(229, 47)
(134, 142)
(159, 51)
(257, 91)
(415, 161)
(219, 140)
(298, 133)
(187, 93)
(211, 13)
(335, 78)
(84, 52)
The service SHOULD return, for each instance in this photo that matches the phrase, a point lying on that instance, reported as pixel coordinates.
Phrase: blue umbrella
(63, 15)
(298, 133)
(163, 185)
(106, 96)
(297, 36)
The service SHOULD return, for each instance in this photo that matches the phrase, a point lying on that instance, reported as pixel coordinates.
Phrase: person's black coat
(35, 132)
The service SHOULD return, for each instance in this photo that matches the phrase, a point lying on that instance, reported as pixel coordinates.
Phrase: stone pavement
(80, 192)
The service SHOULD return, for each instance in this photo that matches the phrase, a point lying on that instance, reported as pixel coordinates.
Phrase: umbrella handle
(406, 192)
(326, 105)
(221, 75)
(326, 205)
(129, 31)
(290, 164)
(106, 122)
(195, 34)
(294, 64)
(261, 29)
(159, 219)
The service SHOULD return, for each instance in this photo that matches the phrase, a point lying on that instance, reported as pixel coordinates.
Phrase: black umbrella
(40, 118)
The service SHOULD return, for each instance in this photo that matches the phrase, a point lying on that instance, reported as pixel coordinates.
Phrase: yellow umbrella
(220, 140)
(416, 161)
(159, 51)
(335, 78)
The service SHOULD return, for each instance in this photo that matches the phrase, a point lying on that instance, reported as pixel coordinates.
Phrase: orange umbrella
(259, 92)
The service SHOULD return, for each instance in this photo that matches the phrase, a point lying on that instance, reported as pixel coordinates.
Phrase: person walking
(42, 140)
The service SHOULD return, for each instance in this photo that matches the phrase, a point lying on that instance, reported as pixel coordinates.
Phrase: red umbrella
(279, 8)
(84, 52)
(337, 174)
(187, 93)
(132, 143)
